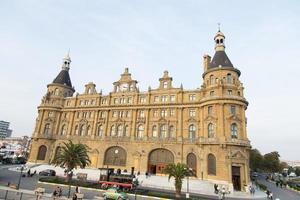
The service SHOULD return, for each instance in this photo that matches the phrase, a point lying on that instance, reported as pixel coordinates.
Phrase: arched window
(140, 131)
(229, 78)
(42, 153)
(100, 130)
(211, 164)
(171, 132)
(234, 131)
(82, 130)
(192, 131)
(154, 131)
(163, 131)
(126, 132)
(56, 91)
(115, 156)
(211, 79)
(113, 130)
(63, 130)
(88, 130)
(191, 161)
(120, 130)
(47, 129)
(210, 128)
(76, 130)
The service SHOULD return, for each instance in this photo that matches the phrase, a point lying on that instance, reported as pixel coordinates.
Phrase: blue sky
(104, 37)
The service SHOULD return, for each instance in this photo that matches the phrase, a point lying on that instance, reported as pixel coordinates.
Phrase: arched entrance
(57, 151)
(191, 162)
(158, 160)
(94, 158)
(42, 153)
(115, 156)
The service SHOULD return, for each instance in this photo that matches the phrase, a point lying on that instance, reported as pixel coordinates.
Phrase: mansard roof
(63, 78)
(220, 59)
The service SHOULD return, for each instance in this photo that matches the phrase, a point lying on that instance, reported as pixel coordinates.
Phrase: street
(281, 193)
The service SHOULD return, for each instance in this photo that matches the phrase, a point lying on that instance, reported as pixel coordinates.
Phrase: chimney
(206, 61)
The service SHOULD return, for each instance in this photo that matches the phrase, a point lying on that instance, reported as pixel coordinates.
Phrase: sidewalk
(196, 186)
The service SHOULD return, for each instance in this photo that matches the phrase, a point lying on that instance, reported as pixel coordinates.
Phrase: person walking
(216, 188)
(223, 192)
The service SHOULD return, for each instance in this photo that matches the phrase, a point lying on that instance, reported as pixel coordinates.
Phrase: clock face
(124, 87)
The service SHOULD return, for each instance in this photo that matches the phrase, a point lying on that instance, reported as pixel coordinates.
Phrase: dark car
(47, 172)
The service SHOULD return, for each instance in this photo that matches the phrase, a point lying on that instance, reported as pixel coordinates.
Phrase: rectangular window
(50, 114)
(164, 98)
(192, 97)
(86, 102)
(229, 92)
(115, 113)
(192, 113)
(209, 110)
(155, 113)
(129, 100)
(172, 98)
(116, 101)
(141, 114)
(212, 93)
(103, 101)
(172, 112)
(122, 100)
(233, 110)
(92, 102)
(163, 113)
(142, 99)
(156, 99)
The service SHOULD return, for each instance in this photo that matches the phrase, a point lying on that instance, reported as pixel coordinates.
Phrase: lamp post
(189, 172)
(19, 182)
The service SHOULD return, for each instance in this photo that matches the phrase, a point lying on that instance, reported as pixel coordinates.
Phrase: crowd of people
(221, 192)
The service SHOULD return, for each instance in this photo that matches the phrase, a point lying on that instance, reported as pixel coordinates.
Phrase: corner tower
(224, 108)
(50, 112)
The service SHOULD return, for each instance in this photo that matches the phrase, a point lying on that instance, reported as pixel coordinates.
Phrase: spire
(220, 58)
(66, 62)
(219, 40)
(63, 77)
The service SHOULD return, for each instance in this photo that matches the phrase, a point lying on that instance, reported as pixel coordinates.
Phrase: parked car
(115, 194)
(47, 172)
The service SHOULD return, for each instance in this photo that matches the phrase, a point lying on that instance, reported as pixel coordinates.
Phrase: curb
(100, 190)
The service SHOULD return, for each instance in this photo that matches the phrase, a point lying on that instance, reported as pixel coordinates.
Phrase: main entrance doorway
(158, 160)
(236, 178)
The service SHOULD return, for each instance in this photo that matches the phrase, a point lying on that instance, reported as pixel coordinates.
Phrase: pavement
(280, 193)
(201, 189)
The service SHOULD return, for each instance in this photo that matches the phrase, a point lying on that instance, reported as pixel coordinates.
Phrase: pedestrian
(216, 188)
(271, 196)
(223, 192)
(28, 173)
(76, 189)
(59, 192)
(74, 197)
(220, 196)
(268, 193)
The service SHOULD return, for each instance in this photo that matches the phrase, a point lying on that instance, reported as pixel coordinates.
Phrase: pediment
(162, 120)
(119, 120)
(49, 119)
(238, 155)
(192, 120)
(210, 118)
(83, 121)
(234, 118)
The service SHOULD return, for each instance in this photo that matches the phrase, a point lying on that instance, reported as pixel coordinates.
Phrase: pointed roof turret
(63, 77)
(220, 58)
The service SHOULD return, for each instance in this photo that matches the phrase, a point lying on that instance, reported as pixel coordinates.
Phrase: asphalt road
(281, 193)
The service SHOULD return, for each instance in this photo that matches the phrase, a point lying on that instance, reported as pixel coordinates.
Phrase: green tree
(70, 157)
(256, 160)
(271, 162)
(178, 171)
(297, 171)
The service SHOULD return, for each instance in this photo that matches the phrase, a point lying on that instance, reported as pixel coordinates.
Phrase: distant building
(15, 146)
(4, 129)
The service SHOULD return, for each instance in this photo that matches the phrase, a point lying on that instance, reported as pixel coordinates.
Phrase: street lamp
(19, 182)
(189, 172)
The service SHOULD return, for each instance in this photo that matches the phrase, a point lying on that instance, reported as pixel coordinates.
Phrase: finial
(219, 25)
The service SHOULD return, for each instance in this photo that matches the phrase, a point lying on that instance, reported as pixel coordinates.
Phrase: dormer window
(165, 85)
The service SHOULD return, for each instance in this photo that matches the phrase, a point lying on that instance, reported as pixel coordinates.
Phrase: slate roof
(63, 78)
(220, 58)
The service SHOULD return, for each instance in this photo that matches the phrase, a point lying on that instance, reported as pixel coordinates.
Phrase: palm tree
(179, 171)
(71, 156)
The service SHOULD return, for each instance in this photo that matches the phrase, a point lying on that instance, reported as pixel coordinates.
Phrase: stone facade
(205, 127)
